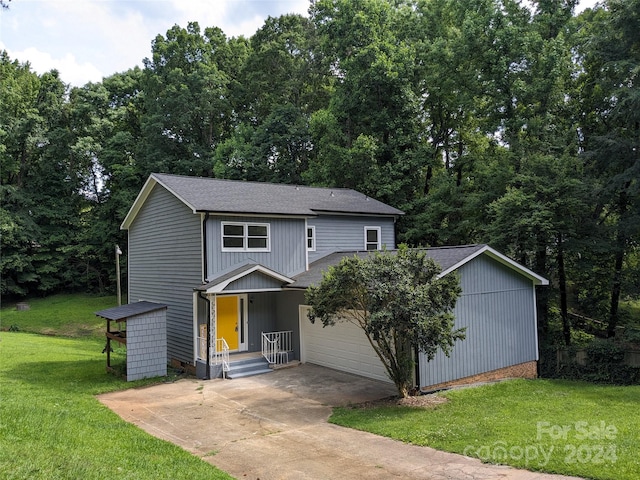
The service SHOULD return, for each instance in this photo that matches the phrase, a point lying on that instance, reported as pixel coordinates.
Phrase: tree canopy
(400, 302)
(502, 122)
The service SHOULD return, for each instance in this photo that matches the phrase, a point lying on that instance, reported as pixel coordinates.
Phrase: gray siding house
(232, 260)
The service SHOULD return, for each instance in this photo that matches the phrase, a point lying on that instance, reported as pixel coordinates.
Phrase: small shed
(142, 327)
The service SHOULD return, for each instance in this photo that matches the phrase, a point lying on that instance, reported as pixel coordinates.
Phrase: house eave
(140, 200)
(500, 258)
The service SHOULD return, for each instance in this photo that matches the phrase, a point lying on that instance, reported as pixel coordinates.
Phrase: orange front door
(227, 318)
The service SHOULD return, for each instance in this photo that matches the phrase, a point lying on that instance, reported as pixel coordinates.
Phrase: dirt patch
(415, 401)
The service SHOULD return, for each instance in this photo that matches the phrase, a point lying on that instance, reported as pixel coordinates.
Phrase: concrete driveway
(274, 427)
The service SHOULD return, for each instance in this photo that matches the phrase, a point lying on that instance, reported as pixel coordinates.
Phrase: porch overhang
(271, 280)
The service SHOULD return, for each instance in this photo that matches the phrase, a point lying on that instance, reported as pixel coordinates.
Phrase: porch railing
(219, 354)
(277, 346)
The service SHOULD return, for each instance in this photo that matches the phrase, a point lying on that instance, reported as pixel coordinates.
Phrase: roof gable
(220, 283)
(240, 197)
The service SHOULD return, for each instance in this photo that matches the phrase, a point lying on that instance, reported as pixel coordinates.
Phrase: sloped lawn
(52, 426)
(571, 428)
(65, 315)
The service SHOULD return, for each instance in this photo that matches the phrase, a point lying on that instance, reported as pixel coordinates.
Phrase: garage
(343, 346)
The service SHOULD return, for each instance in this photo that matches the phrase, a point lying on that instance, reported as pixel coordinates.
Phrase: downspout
(204, 247)
(207, 375)
(205, 297)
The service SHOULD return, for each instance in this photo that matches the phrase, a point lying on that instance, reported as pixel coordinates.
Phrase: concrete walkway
(274, 427)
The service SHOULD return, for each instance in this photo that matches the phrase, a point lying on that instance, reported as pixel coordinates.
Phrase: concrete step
(248, 367)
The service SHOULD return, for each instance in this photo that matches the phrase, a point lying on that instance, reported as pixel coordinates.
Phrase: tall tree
(41, 182)
(367, 137)
(281, 83)
(187, 106)
(399, 302)
(611, 129)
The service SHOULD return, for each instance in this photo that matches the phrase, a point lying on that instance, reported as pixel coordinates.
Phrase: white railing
(202, 349)
(277, 346)
(221, 355)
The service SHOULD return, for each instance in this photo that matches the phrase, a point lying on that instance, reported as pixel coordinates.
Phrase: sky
(86, 40)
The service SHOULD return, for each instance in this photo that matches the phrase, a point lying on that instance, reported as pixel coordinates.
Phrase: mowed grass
(571, 428)
(68, 315)
(51, 424)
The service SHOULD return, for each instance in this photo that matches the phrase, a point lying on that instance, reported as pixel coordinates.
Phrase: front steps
(248, 367)
(242, 365)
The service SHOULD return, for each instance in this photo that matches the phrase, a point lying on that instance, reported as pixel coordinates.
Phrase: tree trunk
(542, 295)
(562, 284)
(615, 289)
(621, 242)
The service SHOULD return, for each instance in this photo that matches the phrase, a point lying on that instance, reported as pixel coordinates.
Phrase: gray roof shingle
(232, 196)
(130, 310)
(446, 257)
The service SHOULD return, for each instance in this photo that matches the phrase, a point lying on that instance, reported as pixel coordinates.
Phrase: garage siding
(497, 306)
(343, 346)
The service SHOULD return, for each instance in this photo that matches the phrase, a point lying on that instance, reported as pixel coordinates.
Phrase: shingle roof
(449, 259)
(130, 310)
(232, 196)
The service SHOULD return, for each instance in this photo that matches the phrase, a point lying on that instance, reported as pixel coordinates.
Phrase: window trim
(245, 237)
(378, 230)
(311, 248)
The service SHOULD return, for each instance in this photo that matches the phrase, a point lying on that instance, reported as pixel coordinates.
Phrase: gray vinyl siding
(262, 315)
(288, 244)
(497, 307)
(165, 264)
(288, 303)
(346, 233)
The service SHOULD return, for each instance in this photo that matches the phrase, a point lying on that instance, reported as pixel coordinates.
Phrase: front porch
(245, 311)
(276, 353)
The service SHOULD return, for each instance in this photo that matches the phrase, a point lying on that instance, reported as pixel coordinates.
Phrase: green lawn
(51, 424)
(571, 428)
(70, 315)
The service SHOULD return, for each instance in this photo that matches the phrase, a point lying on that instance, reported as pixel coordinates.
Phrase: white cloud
(71, 70)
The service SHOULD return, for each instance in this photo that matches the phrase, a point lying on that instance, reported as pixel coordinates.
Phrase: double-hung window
(372, 238)
(241, 237)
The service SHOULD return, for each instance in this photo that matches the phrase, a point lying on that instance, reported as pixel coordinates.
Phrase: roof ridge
(256, 182)
(445, 247)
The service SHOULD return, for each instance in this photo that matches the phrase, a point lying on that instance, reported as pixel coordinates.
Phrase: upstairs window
(311, 239)
(372, 238)
(241, 237)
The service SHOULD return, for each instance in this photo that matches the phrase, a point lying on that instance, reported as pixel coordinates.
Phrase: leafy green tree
(41, 183)
(398, 300)
(188, 109)
(280, 83)
(610, 56)
(367, 137)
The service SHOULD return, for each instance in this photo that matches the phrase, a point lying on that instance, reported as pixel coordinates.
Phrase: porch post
(211, 343)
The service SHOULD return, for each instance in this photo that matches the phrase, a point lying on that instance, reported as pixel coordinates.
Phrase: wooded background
(486, 121)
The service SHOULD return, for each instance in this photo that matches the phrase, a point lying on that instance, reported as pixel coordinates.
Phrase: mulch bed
(416, 401)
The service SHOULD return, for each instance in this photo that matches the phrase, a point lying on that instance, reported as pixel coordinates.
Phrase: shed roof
(130, 310)
(240, 197)
(449, 259)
